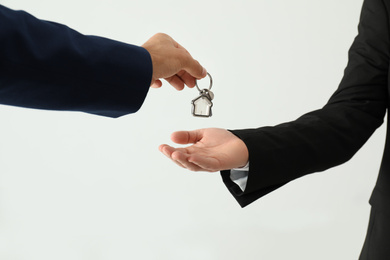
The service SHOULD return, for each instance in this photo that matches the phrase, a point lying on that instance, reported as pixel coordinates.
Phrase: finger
(191, 166)
(176, 82)
(161, 147)
(179, 164)
(205, 162)
(187, 137)
(191, 65)
(156, 84)
(194, 68)
(182, 159)
(167, 150)
(178, 155)
(187, 78)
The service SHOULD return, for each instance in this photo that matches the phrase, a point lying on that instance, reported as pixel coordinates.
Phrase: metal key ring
(211, 82)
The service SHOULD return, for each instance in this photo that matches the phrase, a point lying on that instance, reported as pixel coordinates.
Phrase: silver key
(201, 106)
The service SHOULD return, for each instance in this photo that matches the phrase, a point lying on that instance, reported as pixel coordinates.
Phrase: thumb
(194, 68)
(187, 137)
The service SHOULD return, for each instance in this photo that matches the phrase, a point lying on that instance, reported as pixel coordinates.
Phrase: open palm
(212, 149)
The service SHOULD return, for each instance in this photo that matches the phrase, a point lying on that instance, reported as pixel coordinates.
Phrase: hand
(172, 62)
(213, 149)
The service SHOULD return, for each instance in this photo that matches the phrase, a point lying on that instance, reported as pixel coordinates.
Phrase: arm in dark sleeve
(329, 136)
(47, 65)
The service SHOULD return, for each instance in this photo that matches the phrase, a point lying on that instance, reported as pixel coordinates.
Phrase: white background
(77, 186)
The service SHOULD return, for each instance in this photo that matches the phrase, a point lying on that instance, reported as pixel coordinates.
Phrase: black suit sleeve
(47, 65)
(329, 136)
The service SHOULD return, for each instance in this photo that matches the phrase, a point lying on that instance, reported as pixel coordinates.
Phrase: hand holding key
(172, 62)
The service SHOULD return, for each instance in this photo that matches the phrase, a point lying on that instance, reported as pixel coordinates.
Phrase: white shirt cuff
(240, 176)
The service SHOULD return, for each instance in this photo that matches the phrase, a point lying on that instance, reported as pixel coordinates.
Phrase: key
(201, 106)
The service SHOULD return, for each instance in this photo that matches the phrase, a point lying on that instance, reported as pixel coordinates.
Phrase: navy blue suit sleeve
(332, 135)
(46, 65)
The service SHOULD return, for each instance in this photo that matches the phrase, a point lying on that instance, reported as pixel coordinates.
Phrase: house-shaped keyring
(201, 106)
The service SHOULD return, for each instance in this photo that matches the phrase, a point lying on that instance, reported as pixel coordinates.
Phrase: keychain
(201, 106)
